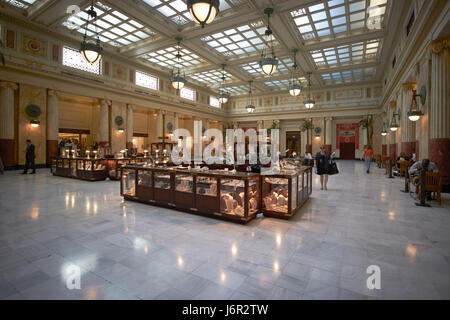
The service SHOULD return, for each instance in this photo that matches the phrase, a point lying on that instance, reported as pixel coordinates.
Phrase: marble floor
(127, 250)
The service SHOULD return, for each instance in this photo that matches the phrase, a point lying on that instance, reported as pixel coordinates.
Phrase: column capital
(440, 44)
(105, 103)
(392, 104)
(329, 118)
(130, 107)
(408, 86)
(161, 112)
(52, 93)
(9, 84)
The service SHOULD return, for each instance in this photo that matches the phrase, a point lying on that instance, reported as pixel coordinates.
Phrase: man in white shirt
(425, 164)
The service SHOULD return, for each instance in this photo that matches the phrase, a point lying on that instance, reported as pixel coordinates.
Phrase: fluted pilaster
(440, 90)
(7, 109)
(130, 123)
(103, 128)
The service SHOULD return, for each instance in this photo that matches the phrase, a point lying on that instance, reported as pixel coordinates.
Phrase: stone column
(304, 142)
(52, 125)
(408, 132)
(7, 132)
(392, 134)
(439, 148)
(130, 126)
(260, 125)
(328, 134)
(103, 128)
(176, 121)
(159, 124)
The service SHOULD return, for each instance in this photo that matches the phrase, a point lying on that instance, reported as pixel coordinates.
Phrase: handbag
(332, 168)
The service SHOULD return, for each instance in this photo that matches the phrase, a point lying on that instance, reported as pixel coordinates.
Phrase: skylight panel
(167, 57)
(115, 28)
(242, 40)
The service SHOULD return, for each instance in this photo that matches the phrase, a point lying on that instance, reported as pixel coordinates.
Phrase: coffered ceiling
(339, 41)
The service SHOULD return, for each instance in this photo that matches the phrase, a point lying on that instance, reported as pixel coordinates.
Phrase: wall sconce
(414, 113)
(394, 125)
(119, 122)
(318, 131)
(33, 111)
(35, 123)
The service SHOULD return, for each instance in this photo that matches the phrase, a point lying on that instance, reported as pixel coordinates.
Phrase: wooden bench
(433, 184)
(403, 167)
(384, 159)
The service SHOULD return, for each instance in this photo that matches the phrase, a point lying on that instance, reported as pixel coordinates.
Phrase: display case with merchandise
(128, 183)
(195, 191)
(163, 187)
(285, 192)
(81, 168)
(184, 190)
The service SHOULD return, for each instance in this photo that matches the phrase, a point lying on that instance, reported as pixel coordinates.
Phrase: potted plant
(307, 126)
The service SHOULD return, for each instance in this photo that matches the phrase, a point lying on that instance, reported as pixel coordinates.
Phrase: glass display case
(235, 196)
(81, 168)
(285, 192)
(231, 196)
(128, 183)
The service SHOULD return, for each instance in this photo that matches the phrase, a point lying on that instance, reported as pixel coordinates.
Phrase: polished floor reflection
(51, 228)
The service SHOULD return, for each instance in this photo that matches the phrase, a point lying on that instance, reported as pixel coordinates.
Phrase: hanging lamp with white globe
(203, 11)
(394, 125)
(268, 62)
(223, 94)
(250, 106)
(294, 88)
(309, 102)
(91, 50)
(177, 77)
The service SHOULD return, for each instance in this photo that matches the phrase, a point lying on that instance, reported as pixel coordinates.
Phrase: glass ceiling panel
(213, 77)
(114, 27)
(23, 4)
(253, 68)
(167, 58)
(176, 10)
(359, 52)
(348, 76)
(338, 18)
(245, 40)
(237, 90)
(283, 84)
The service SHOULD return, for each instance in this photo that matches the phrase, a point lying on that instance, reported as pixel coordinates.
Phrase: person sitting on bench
(414, 171)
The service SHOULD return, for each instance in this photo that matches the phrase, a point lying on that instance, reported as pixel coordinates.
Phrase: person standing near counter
(322, 163)
(29, 158)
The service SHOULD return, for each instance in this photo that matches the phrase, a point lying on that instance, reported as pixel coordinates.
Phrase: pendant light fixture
(203, 11)
(295, 88)
(414, 113)
(384, 131)
(394, 125)
(309, 102)
(223, 94)
(267, 63)
(177, 78)
(91, 50)
(250, 106)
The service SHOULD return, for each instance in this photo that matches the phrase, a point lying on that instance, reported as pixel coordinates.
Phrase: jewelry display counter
(226, 195)
(115, 164)
(285, 192)
(81, 168)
